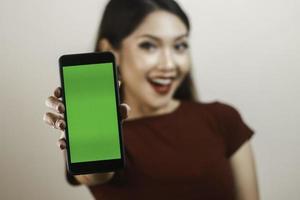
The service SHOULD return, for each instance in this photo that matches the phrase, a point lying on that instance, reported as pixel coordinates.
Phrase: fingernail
(61, 125)
(60, 108)
(61, 146)
(57, 93)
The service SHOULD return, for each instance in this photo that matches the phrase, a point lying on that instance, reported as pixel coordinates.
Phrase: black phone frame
(92, 166)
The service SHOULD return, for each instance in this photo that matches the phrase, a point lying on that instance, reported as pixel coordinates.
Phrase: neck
(140, 109)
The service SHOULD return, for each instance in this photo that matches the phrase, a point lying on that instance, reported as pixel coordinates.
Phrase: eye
(148, 46)
(181, 47)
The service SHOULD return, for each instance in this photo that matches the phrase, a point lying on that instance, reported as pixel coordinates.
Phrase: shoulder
(225, 115)
(224, 111)
(229, 123)
(215, 108)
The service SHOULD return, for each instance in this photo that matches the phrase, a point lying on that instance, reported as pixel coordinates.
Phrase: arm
(243, 168)
(94, 179)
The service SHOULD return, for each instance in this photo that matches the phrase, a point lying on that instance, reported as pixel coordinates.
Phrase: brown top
(180, 155)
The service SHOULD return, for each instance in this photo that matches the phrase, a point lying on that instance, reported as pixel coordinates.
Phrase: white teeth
(161, 81)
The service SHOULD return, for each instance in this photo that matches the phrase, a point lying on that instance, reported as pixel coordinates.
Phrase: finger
(61, 143)
(62, 135)
(54, 120)
(119, 82)
(124, 110)
(57, 92)
(55, 104)
(60, 124)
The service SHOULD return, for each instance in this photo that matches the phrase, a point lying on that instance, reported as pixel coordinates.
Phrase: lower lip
(161, 89)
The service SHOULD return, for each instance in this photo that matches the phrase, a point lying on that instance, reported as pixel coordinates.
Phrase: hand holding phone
(55, 119)
(93, 161)
(91, 98)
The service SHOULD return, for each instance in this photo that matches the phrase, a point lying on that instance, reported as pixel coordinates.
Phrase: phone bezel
(96, 166)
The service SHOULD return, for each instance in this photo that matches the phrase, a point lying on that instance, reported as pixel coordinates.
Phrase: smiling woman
(176, 147)
(122, 18)
(153, 62)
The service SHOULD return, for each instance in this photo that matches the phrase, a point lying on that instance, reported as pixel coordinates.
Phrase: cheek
(136, 60)
(128, 65)
(184, 63)
(144, 62)
(134, 67)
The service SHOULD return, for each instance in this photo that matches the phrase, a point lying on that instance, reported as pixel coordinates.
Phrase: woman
(176, 148)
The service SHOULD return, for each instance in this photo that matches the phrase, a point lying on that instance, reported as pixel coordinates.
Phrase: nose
(167, 61)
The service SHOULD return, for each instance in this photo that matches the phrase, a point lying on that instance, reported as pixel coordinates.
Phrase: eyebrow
(158, 39)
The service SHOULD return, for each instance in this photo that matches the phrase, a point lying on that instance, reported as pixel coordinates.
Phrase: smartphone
(90, 94)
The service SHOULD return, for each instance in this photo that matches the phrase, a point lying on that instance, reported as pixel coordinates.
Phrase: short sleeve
(232, 128)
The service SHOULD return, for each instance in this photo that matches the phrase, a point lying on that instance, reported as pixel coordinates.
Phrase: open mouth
(161, 85)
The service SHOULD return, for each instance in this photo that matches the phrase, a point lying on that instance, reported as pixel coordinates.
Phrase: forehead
(161, 24)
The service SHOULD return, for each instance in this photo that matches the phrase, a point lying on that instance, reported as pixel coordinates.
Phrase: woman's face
(154, 59)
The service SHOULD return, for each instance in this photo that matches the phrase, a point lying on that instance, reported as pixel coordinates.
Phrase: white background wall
(245, 53)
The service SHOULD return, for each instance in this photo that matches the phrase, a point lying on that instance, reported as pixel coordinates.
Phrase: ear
(105, 45)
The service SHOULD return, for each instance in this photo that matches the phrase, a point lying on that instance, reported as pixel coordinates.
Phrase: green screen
(91, 112)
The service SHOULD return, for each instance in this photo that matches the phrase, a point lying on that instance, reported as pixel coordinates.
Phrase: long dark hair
(122, 17)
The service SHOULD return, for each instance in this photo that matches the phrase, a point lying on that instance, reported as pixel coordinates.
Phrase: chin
(159, 102)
